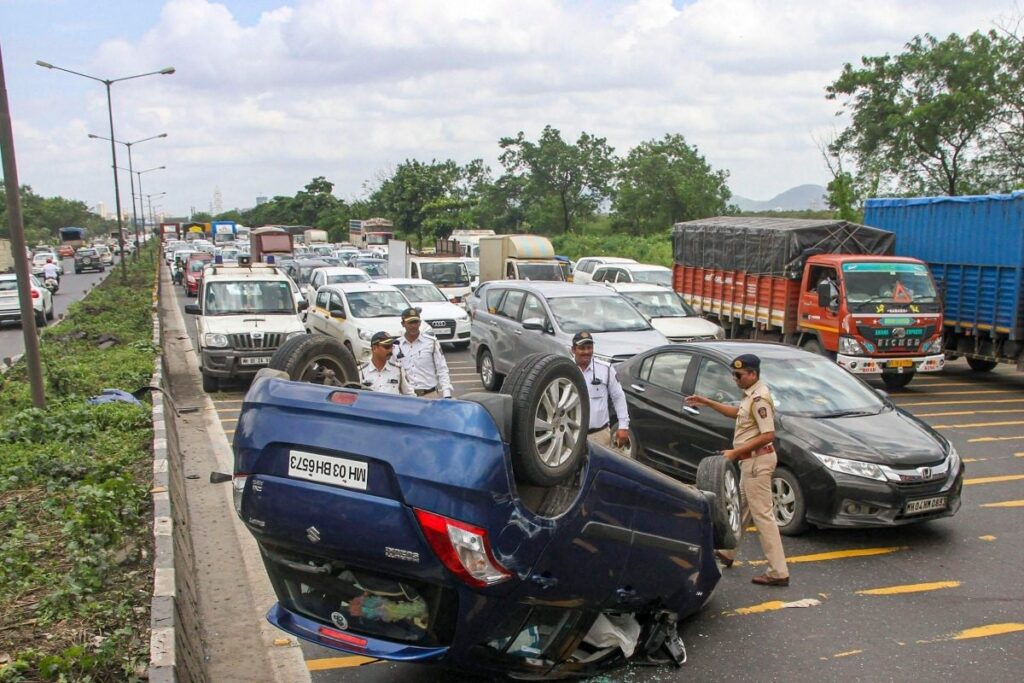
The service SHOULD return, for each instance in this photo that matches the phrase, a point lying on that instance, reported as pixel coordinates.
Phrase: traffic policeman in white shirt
(601, 384)
(421, 358)
(379, 373)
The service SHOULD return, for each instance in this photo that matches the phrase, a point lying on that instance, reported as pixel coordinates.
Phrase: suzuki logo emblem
(313, 534)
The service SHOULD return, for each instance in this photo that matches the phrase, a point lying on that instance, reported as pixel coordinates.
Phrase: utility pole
(13, 191)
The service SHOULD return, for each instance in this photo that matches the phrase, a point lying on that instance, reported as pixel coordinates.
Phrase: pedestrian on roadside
(379, 373)
(602, 384)
(752, 446)
(421, 358)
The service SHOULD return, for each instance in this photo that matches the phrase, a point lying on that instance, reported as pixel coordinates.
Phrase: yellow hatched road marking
(838, 555)
(972, 425)
(847, 653)
(910, 588)
(962, 403)
(987, 537)
(218, 401)
(229, 419)
(1005, 504)
(993, 480)
(958, 384)
(975, 459)
(987, 439)
(970, 412)
(961, 393)
(763, 607)
(338, 662)
(986, 631)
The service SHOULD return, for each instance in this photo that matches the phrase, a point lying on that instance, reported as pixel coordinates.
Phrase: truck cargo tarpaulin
(771, 246)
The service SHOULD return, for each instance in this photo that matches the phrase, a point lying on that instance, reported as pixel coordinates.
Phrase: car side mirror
(828, 295)
(338, 314)
(193, 309)
(534, 324)
(303, 305)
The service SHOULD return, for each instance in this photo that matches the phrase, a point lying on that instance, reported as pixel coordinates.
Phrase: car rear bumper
(228, 362)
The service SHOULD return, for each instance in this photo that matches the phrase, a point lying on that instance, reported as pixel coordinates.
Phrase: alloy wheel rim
(486, 369)
(785, 500)
(558, 422)
(732, 500)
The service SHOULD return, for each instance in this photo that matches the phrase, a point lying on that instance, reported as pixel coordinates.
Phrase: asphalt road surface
(937, 600)
(72, 288)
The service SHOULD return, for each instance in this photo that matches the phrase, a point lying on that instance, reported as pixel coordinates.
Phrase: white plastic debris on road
(621, 630)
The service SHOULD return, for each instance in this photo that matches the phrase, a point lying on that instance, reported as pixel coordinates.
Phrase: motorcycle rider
(50, 271)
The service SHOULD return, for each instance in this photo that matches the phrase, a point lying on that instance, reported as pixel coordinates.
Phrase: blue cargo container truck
(974, 246)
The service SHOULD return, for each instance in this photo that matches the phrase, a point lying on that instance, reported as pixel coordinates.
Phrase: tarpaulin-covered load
(771, 246)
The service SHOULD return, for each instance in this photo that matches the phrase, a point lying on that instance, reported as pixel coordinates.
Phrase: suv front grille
(249, 340)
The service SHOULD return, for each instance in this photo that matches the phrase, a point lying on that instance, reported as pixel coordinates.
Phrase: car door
(534, 341)
(316, 319)
(707, 430)
(506, 327)
(656, 406)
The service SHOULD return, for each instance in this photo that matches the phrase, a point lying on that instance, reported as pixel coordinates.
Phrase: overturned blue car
(481, 534)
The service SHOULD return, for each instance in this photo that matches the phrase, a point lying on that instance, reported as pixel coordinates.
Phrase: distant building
(218, 201)
(101, 210)
(261, 200)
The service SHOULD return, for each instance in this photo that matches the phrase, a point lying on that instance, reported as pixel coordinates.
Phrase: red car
(194, 271)
(66, 251)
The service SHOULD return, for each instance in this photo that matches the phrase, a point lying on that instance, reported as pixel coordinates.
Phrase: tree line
(43, 216)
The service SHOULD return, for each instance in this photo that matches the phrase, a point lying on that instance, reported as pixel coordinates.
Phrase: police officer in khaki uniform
(752, 446)
(379, 373)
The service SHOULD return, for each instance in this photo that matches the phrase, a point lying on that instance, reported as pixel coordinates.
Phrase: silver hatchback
(513, 319)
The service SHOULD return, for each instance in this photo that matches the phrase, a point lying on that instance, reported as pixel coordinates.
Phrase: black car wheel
(551, 414)
(893, 382)
(488, 376)
(318, 359)
(790, 506)
(211, 384)
(980, 365)
(717, 475)
(40, 319)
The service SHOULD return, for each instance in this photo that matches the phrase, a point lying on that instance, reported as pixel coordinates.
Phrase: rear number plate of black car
(325, 469)
(917, 507)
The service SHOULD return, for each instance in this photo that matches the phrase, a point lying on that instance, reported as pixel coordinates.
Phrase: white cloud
(344, 88)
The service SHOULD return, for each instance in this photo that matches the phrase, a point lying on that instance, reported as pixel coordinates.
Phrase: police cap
(382, 338)
(747, 361)
(581, 338)
(411, 315)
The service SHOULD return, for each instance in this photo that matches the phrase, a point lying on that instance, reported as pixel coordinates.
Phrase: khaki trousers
(756, 483)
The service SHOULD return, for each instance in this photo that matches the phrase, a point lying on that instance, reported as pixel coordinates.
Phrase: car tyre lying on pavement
(790, 507)
(718, 476)
(551, 413)
(318, 359)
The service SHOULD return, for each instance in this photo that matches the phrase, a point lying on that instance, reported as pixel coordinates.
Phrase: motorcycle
(52, 284)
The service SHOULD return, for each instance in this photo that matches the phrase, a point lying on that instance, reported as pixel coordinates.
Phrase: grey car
(515, 318)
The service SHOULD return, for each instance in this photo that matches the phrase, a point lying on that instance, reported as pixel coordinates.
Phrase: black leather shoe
(765, 580)
(724, 559)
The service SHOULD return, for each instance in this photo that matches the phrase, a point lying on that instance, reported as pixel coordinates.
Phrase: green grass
(75, 537)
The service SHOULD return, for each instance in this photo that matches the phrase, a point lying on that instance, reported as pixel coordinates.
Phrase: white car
(585, 267)
(633, 272)
(40, 259)
(448, 323)
(353, 312)
(449, 274)
(667, 311)
(10, 307)
(106, 256)
(335, 275)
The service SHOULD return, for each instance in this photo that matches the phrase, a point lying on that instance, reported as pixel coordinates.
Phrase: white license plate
(351, 474)
(916, 507)
(256, 360)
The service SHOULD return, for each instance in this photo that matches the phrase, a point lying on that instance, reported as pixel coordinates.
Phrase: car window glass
(645, 368)
(335, 303)
(492, 297)
(322, 298)
(668, 370)
(533, 308)
(599, 274)
(510, 305)
(715, 381)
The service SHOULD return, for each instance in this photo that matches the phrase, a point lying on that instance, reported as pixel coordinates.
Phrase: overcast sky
(271, 93)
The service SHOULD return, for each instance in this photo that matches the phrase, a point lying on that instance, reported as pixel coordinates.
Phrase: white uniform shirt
(51, 270)
(389, 380)
(602, 383)
(424, 364)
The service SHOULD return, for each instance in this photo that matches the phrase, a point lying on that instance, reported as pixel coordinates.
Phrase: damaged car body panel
(394, 527)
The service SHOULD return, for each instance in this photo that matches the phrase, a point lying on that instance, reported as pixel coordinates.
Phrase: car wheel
(813, 346)
(551, 413)
(211, 384)
(489, 377)
(78, 271)
(717, 475)
(979, 365)
(50, 315)
(40, 319)
(789, 504)
(318, 359)
(893, 382)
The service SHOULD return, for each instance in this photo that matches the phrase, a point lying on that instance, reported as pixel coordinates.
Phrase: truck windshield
(420, 293)
(541, 271)
(596, 314)
(665, 304)
(372, 267)
(239, 298)
(868, 283)
(445, 273)
(377, 304)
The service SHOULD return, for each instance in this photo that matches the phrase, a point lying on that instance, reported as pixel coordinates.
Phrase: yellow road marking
(228, 419)
(962, 403)
(910, 588)
(219, 401)
(987, 439)
(986, 631)
(1005, 504)
(847, 653)
(1018, 455)
(975, 459)
(972, 425)
(987, 537)
(229, 432)
(338, 662)
(970, 412)
(763, 607)
(839, 554)
(976, 391)
(993, 480)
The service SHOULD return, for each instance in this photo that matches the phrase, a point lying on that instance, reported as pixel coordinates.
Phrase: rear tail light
(35, 293)
(463, 548)
(237, 487)
(342, 637)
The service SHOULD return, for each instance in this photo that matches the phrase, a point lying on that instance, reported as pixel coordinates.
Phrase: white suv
(584, 271)
(243, 314)
(352, 312)
(645, 273)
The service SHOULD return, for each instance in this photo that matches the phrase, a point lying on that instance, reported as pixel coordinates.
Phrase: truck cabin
(535, 270)
(869, 285)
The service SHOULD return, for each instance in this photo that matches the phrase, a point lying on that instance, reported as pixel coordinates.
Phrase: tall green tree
(43, 216)
(415, 186)
(924, 115)
(563, 184)
(661, 182)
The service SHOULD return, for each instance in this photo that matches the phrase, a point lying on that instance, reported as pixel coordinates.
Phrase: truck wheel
(814, 347)
(894, 381)
(717, 475)
(551, 413)
(979, 365)
(211, 384)
(316, 358)
(790, 507)
(489, 377)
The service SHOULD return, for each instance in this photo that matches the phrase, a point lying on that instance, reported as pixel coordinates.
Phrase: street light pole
(113, 148)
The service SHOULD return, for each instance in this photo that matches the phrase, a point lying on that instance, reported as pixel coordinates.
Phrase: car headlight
(461, 317)
(953, 459)
(857, 468)
(215, 341)
(365, 335)
(850, 346)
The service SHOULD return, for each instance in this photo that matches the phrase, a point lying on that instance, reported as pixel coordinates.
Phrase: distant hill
(799, 198)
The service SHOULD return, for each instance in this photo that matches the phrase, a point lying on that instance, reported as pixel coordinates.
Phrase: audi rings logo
(437, 323)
